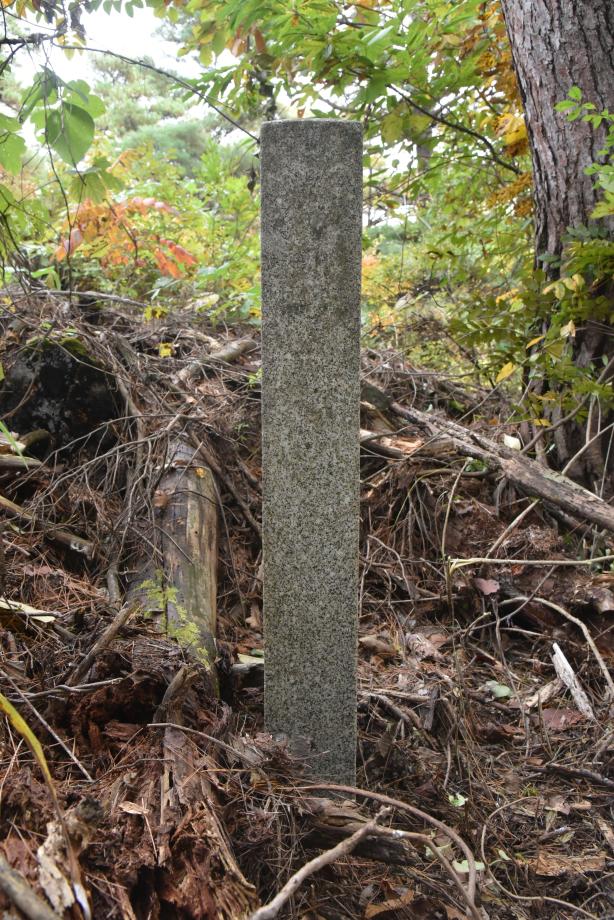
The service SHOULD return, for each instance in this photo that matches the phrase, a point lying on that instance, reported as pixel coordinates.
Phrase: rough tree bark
(557, 44)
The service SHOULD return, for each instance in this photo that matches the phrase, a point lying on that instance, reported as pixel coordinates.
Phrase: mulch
(202, 814)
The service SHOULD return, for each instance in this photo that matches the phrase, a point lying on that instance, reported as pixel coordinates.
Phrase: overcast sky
(135, 37)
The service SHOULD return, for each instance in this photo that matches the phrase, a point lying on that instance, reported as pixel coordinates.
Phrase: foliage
(161, 206)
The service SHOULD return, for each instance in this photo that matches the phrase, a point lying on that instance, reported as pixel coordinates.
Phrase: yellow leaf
(558, 287)
(541, 421)
(165, 349)
(574, 283)
(512, 129)
(200, 472)
(21, 726)
(507, 295)
(534, 341)
(568, 330)
(506, 371)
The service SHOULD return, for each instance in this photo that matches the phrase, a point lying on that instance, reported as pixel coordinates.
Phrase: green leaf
(565, 105)
(44, 89)
(462, 866)
(69, 130)
(375, 88)
(7, 199)
(457, 799)
(392, 128)
(416, 124)
(499, 691)
(12, 149)
(7, 123)
(85, 98)
(575, 93)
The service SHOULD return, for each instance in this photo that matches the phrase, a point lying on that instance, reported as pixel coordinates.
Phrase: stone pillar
(311, 254)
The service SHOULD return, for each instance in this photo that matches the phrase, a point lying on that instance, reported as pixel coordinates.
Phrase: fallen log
(187, 500)
(528, 475)
(226, 354)
(331, 822)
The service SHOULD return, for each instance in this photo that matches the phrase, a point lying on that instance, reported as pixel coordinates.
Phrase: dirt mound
(485, 699)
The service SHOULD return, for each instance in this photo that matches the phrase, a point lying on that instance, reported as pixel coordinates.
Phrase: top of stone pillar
(299, 223)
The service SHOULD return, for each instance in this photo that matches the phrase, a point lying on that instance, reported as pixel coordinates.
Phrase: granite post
(311, 254)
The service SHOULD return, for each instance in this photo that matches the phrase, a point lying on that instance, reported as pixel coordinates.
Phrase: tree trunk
(557, 44)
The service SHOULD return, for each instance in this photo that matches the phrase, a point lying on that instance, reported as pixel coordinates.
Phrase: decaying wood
(227, 480)
(17, 889)
(224, 355)
(120, 619)
(331, 821)
(528, 475)
(566, 673)
(16, 462)
(188, 501)
(205, 875)
(49, 531)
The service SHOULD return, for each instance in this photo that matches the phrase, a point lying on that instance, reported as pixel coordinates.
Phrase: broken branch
(270, 910)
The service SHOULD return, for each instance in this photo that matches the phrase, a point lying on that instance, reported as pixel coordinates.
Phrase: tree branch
(270, 910)
(458, 127)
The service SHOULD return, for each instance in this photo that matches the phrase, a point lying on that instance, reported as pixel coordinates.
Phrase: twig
(512, 894)
(457, 127)
(163, 73)
(591, 775)
(408, 717)
(474, 560)
(469, 891)
(13, 462)
(120, 619)
(58, 534)
(270, 910)
(14, 885)
(523, 514)
(251, 760)
(566, 673)
(581, 626)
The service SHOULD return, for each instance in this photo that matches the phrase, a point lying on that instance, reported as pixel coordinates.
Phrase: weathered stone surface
(311, 253)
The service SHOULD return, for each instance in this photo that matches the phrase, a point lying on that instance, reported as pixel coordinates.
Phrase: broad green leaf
(375, 88)
(8, 123)
(70, 131)
(12, 150)
(7, 199)
(85, 99)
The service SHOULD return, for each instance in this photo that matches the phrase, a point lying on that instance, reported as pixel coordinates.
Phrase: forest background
(119, 185)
